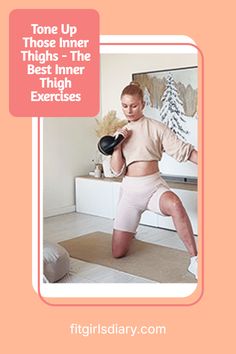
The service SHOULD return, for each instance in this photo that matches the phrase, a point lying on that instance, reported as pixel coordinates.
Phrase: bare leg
(121, 241)
(171, 205)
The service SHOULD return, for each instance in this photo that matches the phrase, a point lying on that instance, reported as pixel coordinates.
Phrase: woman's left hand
(194, 157)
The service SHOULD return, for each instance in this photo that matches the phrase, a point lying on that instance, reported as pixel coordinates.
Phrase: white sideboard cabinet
(99, 196)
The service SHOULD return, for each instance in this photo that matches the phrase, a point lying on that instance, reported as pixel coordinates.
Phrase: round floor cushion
(56, 261)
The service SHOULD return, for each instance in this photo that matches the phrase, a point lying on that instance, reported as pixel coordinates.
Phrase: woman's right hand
(126, 134)
(124, 131)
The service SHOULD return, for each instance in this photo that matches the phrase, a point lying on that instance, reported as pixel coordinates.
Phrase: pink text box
(54, 63)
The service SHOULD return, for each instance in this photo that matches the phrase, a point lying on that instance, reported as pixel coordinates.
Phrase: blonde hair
(133, 89)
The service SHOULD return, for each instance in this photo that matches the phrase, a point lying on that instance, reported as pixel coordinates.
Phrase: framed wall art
(171, 96)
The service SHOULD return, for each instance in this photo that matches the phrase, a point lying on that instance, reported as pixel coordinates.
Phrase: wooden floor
(63, 227)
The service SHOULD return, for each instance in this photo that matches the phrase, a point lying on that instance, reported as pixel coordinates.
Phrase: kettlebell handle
(108, 143)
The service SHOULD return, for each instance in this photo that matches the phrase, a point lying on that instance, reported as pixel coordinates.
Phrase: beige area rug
(158, 263)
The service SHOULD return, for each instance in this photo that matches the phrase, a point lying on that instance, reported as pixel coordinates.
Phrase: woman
(142, 187)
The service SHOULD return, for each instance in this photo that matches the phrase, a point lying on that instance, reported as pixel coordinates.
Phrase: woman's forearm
(117, 160)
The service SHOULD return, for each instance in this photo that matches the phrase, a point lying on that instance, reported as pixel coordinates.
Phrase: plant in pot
(108, 125)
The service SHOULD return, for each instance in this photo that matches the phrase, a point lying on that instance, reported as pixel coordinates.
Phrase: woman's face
(132, 107)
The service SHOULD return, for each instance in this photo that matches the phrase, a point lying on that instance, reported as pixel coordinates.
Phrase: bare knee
(171, 204)
(177, 208)
(120, 243)
(118, 252)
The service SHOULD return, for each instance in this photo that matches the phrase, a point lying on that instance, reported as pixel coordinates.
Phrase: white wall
(117, 69)
(69, 144)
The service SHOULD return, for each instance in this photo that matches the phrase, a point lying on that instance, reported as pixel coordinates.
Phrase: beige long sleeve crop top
(149, 139)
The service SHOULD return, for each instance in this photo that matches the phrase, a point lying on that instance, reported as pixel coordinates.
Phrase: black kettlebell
(107, 143)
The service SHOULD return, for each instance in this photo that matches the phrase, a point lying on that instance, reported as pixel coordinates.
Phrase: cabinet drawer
(94, 197)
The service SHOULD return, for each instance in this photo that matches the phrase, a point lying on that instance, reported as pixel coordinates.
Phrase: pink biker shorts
(137, 195)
